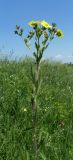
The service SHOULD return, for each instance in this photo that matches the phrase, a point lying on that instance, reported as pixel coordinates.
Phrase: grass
(55, 111)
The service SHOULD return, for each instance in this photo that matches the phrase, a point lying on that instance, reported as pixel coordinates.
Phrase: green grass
(55, 111)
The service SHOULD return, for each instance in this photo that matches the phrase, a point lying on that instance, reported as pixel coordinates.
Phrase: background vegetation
(55, 111)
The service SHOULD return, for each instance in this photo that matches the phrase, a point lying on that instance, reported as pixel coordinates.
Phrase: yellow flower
(25, 110)
(59, 33)
(33, 23)
(46, 25)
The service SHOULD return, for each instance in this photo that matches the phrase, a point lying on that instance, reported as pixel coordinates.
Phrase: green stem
(34, 106)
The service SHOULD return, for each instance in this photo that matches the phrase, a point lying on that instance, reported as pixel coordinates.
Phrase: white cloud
(64, 58)
(59, 57)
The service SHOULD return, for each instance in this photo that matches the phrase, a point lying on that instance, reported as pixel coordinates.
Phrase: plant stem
(34, 106)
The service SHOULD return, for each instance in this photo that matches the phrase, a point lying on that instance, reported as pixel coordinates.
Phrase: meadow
(54, 115)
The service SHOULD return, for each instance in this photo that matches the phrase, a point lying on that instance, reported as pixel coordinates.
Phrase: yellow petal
(33, 23)
(46, 25)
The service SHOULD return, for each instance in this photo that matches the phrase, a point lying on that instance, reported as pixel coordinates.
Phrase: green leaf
(20, 32)
(34, 53)
(45, 47)
(54, 24)
(26, 42)
(43, 156)
(37, 46)
(44, 42)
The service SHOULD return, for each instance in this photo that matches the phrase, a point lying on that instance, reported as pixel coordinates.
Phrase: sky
(20, 12)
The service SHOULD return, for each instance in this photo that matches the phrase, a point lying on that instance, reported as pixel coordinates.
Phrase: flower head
(17, 27)
(59, 33)
(33, 23)
(46, 25)
(25, 110)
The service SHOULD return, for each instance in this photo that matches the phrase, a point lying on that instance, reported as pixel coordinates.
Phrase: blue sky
(20, 12)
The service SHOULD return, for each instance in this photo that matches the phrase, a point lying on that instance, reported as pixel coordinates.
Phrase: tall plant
(42, 33)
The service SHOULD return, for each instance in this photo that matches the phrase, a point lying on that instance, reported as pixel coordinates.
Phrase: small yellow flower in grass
(25, 110)
(46, 25)
(33, 23)
(59, 33)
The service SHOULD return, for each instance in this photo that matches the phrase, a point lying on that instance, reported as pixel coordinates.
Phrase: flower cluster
(19, 31)
(42, 32)
(46, 25)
